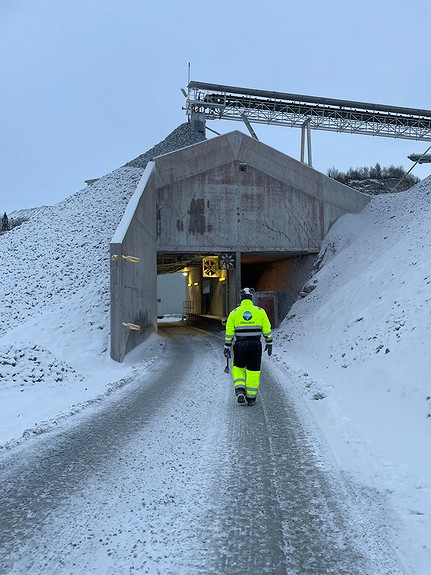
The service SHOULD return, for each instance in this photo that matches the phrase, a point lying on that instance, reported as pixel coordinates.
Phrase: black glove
(226, 351)
(268, 348)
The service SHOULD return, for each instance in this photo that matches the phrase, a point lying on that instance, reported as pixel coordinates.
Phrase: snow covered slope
(54, 288)
(26, 213)
(360, 342)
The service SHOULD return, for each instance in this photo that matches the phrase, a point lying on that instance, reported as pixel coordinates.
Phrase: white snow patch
(359, 344)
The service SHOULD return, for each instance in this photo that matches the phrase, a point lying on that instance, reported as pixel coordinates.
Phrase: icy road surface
(171, 476)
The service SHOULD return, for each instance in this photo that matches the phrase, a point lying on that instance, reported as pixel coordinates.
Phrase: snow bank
(360, 344)
(54, 289)
(32, 364)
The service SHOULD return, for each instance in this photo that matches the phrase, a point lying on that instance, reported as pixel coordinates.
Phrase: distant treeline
(376, 172)
(10, 223)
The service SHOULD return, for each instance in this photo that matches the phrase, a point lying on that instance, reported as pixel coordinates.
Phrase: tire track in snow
(285, 510)
(331, 525)
(174, 477)
(121, 491)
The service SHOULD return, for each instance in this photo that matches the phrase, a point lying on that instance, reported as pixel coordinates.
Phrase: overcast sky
(87, 85)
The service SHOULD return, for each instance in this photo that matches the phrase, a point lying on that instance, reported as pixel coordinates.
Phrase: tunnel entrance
(207, 299)
(206, 296)
(229, 195)
(282, 274)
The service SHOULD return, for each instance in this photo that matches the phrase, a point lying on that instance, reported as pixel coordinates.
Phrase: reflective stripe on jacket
(247, 320)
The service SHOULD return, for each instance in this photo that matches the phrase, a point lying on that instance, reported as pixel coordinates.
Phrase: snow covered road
(171, 476)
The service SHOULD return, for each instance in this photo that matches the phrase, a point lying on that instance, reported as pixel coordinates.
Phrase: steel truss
(217, 102)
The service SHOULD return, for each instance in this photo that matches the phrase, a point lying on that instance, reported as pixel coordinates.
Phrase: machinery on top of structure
(216, 102)
(420, 158)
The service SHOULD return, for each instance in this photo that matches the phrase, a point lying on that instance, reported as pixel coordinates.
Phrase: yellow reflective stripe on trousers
(252, 385)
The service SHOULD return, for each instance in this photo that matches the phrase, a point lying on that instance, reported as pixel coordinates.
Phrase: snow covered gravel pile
(54, 288)
(360, 343)
(63, 251)
(367, 322)
(180, 138)
(26, 365)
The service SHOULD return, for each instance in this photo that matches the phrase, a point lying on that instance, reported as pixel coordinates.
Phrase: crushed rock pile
(182, 137)
(31, 364)
(55, 267)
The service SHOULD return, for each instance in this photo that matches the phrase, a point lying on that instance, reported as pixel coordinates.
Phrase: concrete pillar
(306, 133)
(197, 122)
(234, 284)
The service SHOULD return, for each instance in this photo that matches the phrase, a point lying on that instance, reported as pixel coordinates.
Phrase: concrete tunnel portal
(228, 211)
(208, 297)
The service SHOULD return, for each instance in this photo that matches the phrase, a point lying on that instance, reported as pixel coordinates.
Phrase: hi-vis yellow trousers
(247, 359)
(244, 378)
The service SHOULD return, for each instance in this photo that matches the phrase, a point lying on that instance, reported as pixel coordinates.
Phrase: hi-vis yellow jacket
(247, 321)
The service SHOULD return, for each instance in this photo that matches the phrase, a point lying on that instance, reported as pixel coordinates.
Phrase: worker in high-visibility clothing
(247, 323)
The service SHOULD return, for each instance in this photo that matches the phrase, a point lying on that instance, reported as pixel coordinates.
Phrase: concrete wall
(287, 278)
(218, 307)
(258, 200)
(134, 284)
(230, 193)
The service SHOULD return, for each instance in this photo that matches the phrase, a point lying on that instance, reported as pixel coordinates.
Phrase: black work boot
(251, 400)
(240, 394)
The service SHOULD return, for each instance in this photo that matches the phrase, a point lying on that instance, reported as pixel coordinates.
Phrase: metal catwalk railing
(215, 102)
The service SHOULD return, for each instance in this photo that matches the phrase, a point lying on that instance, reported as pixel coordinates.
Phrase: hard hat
(246, 293)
